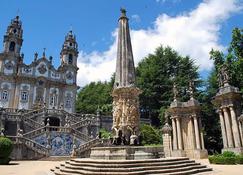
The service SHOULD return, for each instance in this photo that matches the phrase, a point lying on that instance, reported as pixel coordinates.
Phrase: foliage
(6, 147)
(150, 135)
(212, 137)
(155, 76)
(95, 96)
(104, 133)
(233, 59)
(227, 158)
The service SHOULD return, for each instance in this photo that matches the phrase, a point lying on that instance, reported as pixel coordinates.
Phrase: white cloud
(136, 18)
(192, 33)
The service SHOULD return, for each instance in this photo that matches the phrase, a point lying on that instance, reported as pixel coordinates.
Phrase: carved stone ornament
(69, 76)
(9, 65)
(42, 69)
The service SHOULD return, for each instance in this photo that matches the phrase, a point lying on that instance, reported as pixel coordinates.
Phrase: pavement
(43, 168)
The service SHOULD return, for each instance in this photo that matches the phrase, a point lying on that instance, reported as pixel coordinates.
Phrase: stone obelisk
(125, 94)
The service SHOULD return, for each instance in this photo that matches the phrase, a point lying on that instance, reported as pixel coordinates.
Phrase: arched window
(12, 47)
(70, 59)
(5, 95)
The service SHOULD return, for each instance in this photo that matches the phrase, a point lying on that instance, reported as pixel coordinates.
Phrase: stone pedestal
(178, 153)
(187, 130)
(126, 152)
(228, 104)
(126, 112)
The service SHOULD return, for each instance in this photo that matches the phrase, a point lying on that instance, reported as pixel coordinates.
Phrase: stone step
(130, 169)
(182, 170)
(104, 162)
(172, 166)
(117, 165)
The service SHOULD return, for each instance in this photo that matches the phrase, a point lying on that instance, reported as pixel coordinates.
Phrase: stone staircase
(36, 147)
(167, 166)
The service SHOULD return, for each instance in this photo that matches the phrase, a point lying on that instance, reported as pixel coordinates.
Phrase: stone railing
(33, 113)
(87, 146)
(32, 123)
(30, 144)
(84, 122)
(80, 135)
(44, 129)
(35, 132)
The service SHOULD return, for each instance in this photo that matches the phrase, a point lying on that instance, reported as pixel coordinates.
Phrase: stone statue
(191, 89)
(223, 76)
(175, 91)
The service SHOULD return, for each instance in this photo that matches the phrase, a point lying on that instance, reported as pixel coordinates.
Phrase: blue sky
(190, 27)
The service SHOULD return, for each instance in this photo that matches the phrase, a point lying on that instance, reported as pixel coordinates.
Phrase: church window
(70, 59)
(15, 31)
(68, 103)
(24, 96)
(12, 47)
(53, 100)
(5, 95)
(70, 44)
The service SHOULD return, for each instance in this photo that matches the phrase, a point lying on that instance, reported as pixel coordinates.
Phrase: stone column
(175, 146)
(191, 133)
(201, 133)
(228, 128)
(223, 131)
(241, 132)
(178, 125)
(198, 146)
(235, 129)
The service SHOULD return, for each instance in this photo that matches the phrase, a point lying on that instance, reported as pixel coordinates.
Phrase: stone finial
(123, 12)
(50, 59)
(48, 121)
(166, 129)
(2, 132)
(44, 53)
(36, 56)
(191, 89)
(175, 92)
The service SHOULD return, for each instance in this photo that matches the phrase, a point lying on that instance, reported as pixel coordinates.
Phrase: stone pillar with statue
(227, 102)
(186, 127)
(125, 94)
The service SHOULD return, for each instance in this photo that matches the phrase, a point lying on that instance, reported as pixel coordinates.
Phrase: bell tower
(13, 38)
(69, 52)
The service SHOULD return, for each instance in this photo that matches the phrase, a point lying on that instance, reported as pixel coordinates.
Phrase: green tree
(93, 96)
(233, 59)
(155, 76)
(150, 135)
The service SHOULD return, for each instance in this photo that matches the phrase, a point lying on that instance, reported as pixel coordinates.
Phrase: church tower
(13, 38)
(69, 53)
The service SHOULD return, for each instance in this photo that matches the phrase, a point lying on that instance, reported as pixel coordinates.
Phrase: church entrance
(53, 121)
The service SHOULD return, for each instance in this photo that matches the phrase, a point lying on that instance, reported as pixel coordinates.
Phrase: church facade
(38, 84)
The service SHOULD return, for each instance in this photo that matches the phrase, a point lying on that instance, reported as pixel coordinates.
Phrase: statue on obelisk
(125, 94)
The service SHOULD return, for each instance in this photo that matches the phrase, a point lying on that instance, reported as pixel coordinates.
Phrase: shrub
(239, 159)
(229, 154)
(227, 158)
(104, 133)
(6, 147)
(150, 135)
